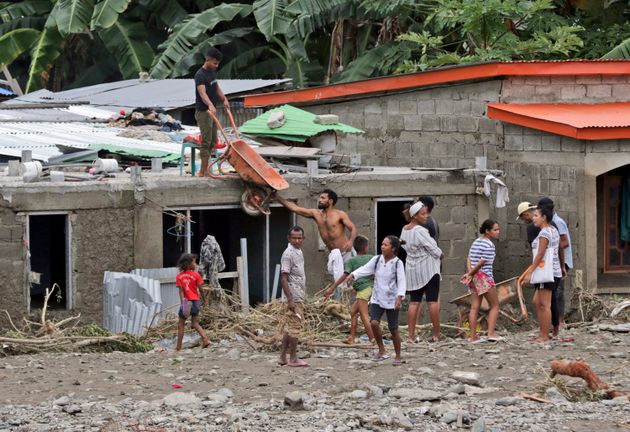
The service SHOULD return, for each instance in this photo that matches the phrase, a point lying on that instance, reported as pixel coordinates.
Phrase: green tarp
(299, 125)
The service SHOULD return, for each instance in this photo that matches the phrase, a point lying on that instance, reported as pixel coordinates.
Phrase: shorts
(292, 323)
(481, 283)
(431, 291)
(376, 313)
(364, 294)
(208, 132)
(194, 310)
(549, 285)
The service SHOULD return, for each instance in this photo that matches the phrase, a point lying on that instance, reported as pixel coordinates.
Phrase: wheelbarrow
(507, 291)
(260, 179)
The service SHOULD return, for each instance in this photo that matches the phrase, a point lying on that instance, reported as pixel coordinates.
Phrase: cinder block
(553, 172)
(571, 145)
(588, 79)
(461, 107)
(402, 149)
(551, 143)
(451, 231)
(10, 251)
(513, 142)
(373, 108)
(548, 89)
(444, 106)
(532, 142)
(621, 92)
(487, 91)
(563, 79)
(463, 215)
(477, 109)
(393, 106)
(408, 107)
(512, 129)
(488, 126)
(467, 124)
(5, 234)
(537, 80)
(558, 187)
(426, 106)
(395, 122)
(599, 91)
(624, 145)
(573, 92)
(413, 122)
(604, 146)
(448, 124)
(614, 79)
(430, 122)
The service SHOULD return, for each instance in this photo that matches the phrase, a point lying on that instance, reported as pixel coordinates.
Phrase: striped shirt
(482, 249)
(553, 239)
(423, 257)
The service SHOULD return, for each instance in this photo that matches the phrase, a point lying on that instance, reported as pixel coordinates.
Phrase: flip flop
(566, 339)
(205, 346)
(495, 339)
(299, 363)
(397, 362)
(380, 358)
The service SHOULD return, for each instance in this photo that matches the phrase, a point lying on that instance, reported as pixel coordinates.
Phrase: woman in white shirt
(422, 269)
(548, 237)
(387, 294)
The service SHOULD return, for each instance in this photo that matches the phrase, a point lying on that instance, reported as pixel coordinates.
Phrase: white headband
(415, 208)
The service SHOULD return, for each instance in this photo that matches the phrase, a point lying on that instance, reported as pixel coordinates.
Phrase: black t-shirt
(434, 229)
(209, 79)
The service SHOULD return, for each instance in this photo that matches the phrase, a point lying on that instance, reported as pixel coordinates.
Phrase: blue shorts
(194, 310)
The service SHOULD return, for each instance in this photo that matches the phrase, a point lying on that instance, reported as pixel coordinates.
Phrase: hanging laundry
(502, 190)
(211, 261)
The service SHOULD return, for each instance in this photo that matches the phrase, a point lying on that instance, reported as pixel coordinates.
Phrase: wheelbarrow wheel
(253, 202)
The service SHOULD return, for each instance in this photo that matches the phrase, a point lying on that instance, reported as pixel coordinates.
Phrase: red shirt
(189, 280)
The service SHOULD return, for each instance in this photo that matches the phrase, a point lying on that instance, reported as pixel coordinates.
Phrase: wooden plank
(288, 152)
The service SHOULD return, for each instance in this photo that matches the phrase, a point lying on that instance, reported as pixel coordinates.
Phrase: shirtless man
(332, 225)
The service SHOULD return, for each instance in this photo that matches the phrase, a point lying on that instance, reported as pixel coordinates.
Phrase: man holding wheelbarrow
(332, 225)
(208, 95)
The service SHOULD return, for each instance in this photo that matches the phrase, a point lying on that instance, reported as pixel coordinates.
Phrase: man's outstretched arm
(309, 213)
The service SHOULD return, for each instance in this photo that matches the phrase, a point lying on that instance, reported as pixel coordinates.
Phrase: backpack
(380, 258)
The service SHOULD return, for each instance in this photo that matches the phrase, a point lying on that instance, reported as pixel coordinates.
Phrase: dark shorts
(549, 285)
(194, 310)
(431, 291)
(208, 132)
(376, 313)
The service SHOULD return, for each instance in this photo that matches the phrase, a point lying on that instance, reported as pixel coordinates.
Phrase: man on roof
(208, 96)
(332, 225)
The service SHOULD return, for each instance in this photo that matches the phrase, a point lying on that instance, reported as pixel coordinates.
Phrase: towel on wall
(502, 190)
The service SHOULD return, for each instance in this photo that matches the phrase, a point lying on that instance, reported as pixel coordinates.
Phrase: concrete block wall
(443, 127)
(566, 89)
(12, 271)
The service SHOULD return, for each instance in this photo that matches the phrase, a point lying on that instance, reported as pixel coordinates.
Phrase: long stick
(338, 345)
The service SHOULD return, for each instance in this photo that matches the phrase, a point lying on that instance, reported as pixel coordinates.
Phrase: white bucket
(31, 169)
(57, 176)
(106, 165)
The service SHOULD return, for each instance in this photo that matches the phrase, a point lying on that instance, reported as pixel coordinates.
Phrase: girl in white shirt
(387, 295)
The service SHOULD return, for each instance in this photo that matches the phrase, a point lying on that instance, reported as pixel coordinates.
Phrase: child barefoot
(188, 281)
(362, 286)
(389, 291)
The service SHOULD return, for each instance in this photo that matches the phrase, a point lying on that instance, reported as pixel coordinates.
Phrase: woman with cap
(422, 269)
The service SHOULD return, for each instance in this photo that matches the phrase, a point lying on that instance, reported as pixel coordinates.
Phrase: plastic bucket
(31, 169)
(57, 176)
(106, 165)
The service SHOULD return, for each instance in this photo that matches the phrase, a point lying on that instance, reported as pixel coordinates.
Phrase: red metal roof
(580, 121)
(441, 76)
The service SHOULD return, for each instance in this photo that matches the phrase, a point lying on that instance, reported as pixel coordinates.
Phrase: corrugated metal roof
(167, 94)
(299, 125)
(46, 138)
(439, 76)
(581, 121)
(42, 115)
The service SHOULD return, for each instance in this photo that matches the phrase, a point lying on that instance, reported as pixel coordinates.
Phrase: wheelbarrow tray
(252, 168)
(506, 290)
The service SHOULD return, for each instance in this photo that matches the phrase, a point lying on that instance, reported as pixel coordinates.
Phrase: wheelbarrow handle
(216, 120)
(229, 112)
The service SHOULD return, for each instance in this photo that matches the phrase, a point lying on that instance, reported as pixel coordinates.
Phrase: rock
(415, 394)
(507, 401)
(400, 419)
(234, 413)
(215, 399)
(295, 400)
(359, 394)
(425, 370)
(617, 355)
(182, 400)
(479, 425)
(62, 401)
(471, 378)
(72, 409)
(374, 390)
(470, 390)
(554, 395)
(234, 354)
(457, 389)
(460, 416)
(226, 392)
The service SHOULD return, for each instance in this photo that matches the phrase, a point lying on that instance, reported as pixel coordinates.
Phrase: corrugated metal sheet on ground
(167, 94)
(168, 290)
(605, 115)
(299, 125)
(130, 302)
(5, 92)
(44, 138)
